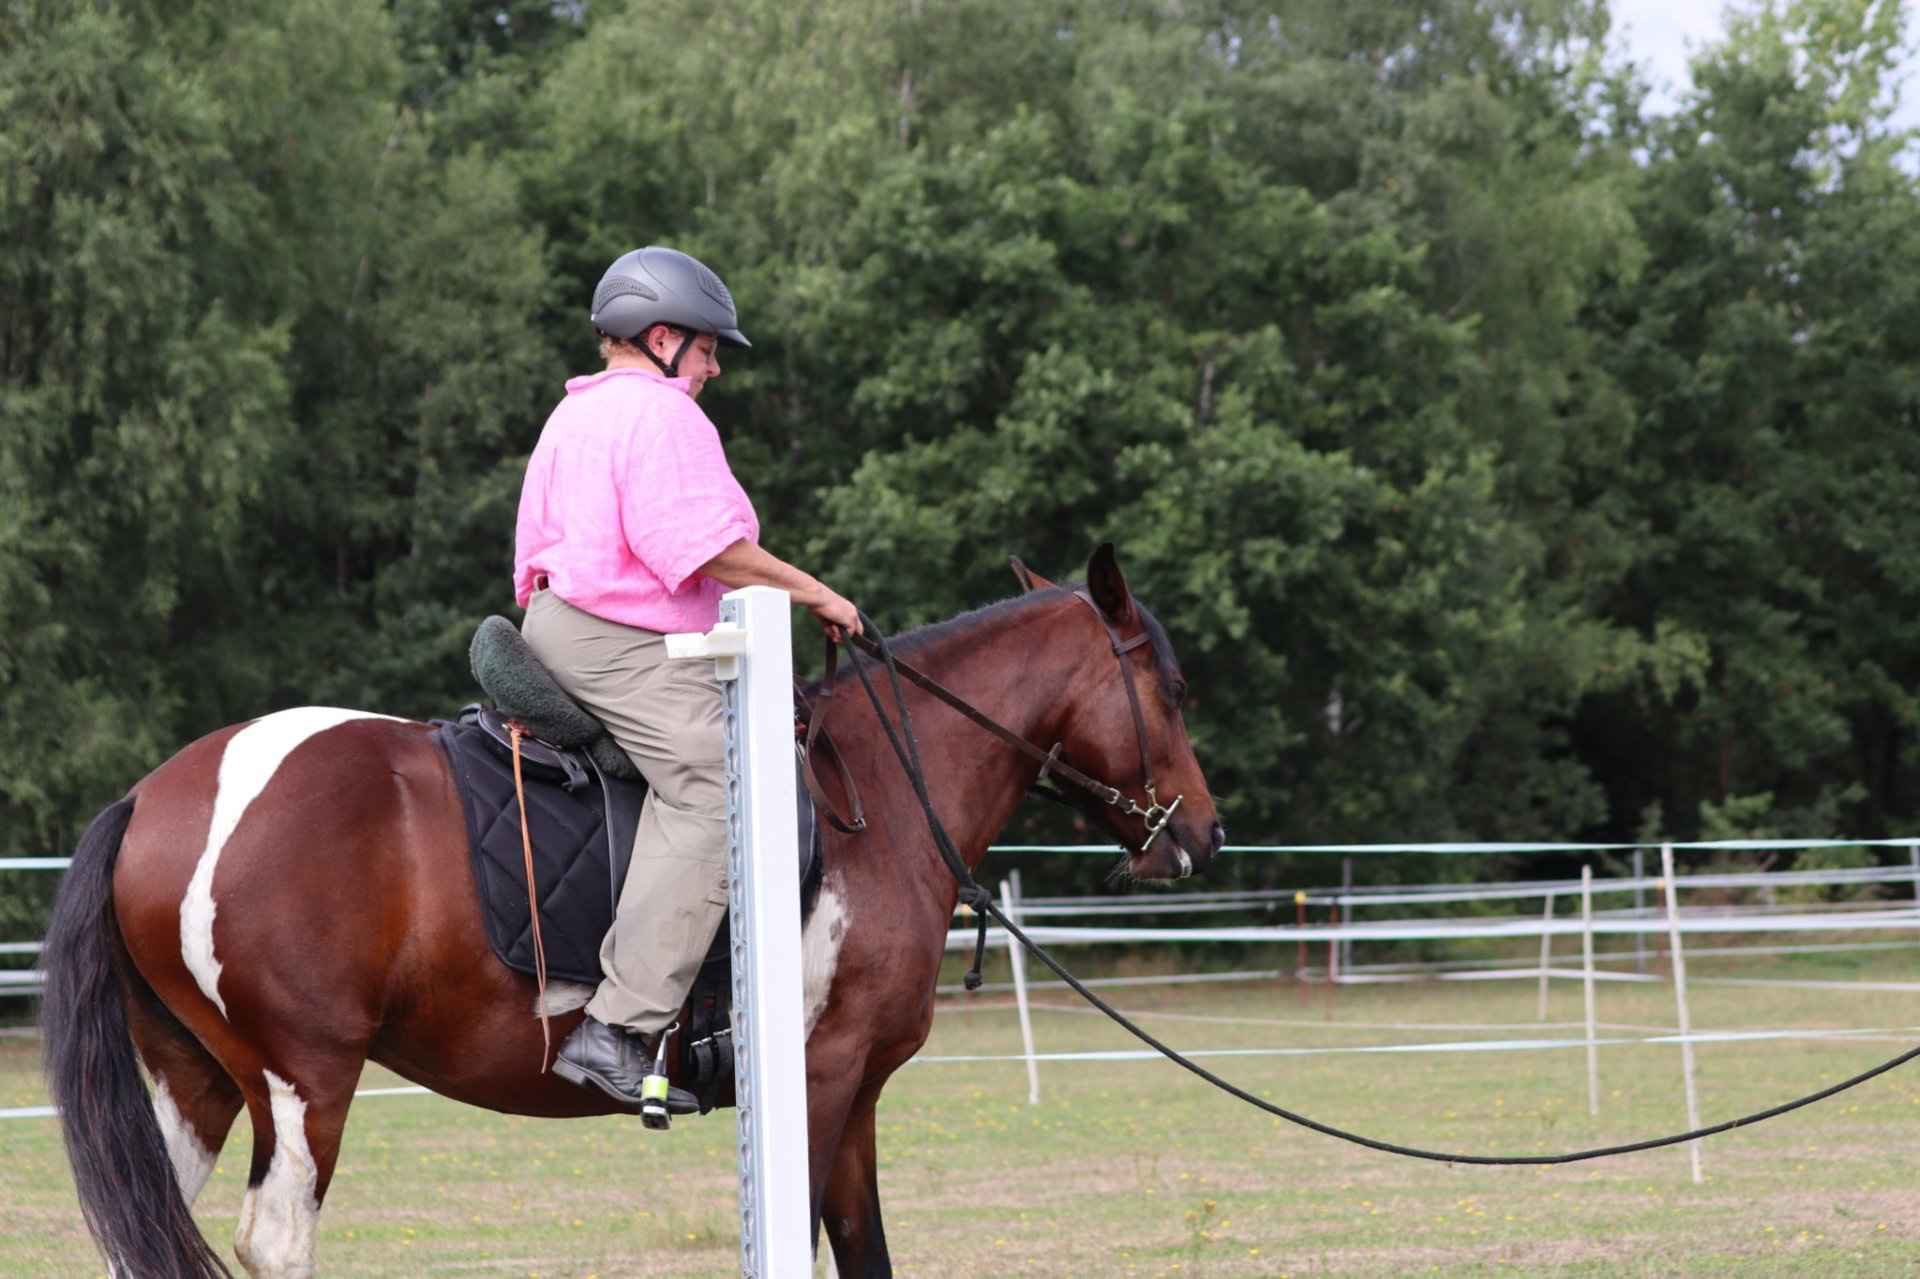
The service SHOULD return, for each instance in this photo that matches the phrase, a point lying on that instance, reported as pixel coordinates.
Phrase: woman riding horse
(287, 899)
(631, 525)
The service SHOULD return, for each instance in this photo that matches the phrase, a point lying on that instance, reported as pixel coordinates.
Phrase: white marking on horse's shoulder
(280, 1218)
(192, 1162)
(247, 763)
(820, 941)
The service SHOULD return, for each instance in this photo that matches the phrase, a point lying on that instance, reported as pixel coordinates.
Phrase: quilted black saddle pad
(576, 868)
(571, 807)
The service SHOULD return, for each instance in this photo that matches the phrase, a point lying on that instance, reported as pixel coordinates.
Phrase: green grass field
(1137, 1169)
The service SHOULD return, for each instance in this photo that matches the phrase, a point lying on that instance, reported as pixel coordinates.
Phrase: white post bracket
(726, 644)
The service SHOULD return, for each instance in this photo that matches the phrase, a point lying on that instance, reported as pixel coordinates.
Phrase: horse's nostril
(1216, 838)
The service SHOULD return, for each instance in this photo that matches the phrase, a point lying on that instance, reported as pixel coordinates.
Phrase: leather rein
(1155, 815)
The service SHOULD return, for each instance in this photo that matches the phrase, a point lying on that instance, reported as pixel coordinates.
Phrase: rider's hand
(837, 615)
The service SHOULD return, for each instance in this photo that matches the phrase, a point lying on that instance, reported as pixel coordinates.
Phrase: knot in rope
(980, 901)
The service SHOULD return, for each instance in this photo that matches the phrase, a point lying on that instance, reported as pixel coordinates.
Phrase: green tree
(1769, 345)
(258, 372)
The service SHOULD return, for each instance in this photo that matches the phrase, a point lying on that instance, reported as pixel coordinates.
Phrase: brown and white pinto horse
(287, 899)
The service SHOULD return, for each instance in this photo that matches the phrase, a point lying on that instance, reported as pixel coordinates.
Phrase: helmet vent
(711, 286)
(621, 287)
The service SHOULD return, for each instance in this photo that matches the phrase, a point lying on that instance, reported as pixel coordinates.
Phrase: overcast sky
(1662, 34)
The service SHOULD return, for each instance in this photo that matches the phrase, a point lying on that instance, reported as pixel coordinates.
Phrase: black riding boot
(615, 1061)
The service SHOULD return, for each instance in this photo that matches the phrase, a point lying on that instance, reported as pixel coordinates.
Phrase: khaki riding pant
(666, 715)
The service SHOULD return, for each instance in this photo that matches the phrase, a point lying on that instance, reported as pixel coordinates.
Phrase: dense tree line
(1508, 460)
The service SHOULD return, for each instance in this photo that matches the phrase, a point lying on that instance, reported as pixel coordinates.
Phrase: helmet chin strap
(669, 367)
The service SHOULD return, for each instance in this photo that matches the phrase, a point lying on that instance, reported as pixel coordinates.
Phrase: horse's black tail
(121, 1168)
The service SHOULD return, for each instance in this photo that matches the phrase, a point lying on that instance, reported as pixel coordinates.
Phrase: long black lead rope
(983, 905)
(1413, 1151)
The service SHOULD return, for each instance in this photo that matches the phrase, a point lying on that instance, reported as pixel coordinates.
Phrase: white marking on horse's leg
(820, 942)
(250, 759)
(192, 1162)
(564, 997)
(280, 1218)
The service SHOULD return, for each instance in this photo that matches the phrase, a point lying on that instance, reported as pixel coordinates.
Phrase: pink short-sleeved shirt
(627, 494)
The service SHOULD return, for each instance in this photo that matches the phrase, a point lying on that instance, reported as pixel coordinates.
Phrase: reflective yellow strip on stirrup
(653, 1088)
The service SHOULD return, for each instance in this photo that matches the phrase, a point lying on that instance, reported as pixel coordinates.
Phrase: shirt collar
(591, 380)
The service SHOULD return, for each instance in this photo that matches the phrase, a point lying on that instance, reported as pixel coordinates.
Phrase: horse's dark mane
(931, 635)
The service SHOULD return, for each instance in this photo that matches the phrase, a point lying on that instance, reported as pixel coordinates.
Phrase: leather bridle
(1155, 816)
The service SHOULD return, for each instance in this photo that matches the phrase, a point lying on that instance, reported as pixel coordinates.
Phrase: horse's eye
(1179, 692)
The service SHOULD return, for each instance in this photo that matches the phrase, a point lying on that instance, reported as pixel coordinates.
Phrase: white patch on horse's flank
(192, 1162)
(564, 997)
(250, 759)
(820, 942)
(280, 1217)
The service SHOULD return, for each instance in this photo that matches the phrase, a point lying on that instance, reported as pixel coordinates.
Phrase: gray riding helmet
(658, 285)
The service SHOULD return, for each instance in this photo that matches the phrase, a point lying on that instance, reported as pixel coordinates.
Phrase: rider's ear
(1030, 581)
(1108, 585)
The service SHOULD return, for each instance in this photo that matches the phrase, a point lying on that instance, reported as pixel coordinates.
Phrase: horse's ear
(1108, 585)
(1030, 581)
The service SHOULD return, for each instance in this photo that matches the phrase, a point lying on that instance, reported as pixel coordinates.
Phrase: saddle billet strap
(816, 722)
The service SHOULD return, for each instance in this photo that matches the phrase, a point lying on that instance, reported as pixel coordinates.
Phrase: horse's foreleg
(296, 1139)
(850, 1208)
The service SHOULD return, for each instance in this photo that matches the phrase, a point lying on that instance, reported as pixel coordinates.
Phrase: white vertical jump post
(1010, 902)
(1586, 981)
(1680, 1002)
(752, 654)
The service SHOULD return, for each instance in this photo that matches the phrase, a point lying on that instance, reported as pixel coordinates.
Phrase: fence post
(1913, 855)
(1546, 953)
(1586, 975)
(1639, 908)
(1346, 891)
(1300, 960)
(1680, 1002)
(1333, 957)
(1010, 902)
(752, 652)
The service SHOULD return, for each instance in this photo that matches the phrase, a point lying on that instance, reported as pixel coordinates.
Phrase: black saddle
(583, 800)
(567, 736)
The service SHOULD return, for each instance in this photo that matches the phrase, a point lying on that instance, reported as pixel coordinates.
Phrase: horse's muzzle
(1178, 852)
